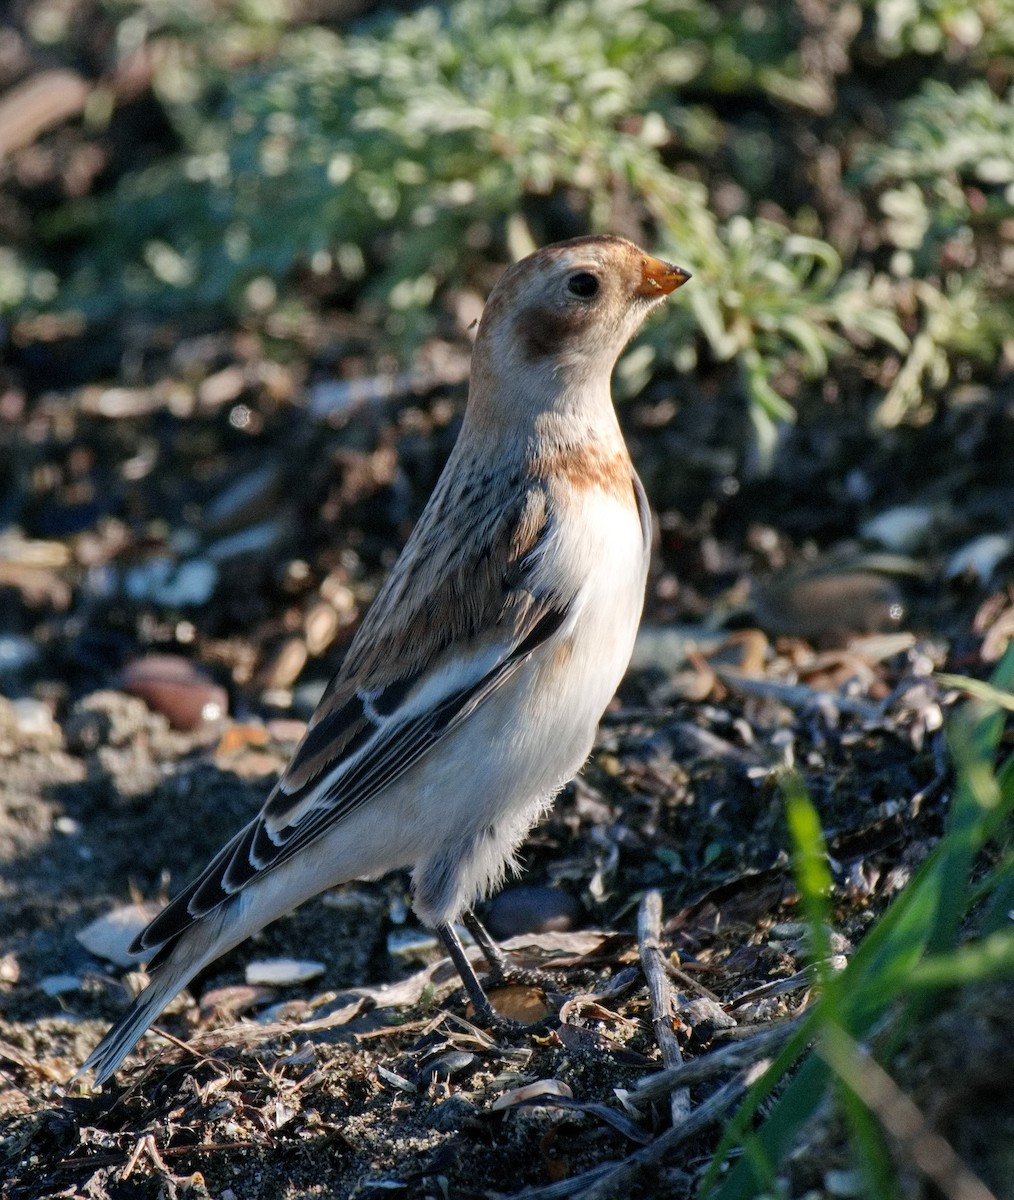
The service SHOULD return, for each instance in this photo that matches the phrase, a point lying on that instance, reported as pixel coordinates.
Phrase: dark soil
(105, 802)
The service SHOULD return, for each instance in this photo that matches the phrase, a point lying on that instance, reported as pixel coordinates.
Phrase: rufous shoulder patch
(607, 469)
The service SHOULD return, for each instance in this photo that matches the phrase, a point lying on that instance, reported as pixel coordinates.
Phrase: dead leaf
(519, 1002)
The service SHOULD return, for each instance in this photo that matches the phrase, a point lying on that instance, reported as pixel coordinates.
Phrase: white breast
(459, 816)
(603, 546)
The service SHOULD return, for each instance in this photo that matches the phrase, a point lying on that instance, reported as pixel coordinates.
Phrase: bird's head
(558, 320)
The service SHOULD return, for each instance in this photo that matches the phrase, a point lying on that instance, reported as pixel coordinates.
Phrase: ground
(104, 804)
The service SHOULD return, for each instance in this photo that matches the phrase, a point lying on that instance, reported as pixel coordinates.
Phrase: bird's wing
(438, 642)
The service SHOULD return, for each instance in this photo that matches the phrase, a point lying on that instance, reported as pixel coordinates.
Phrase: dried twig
(132, 1158)
(245, 1034)
(663, 995)
(618, 1180)
(690, 983)
(799, 695)
(735, 1057)
(806, 978)
(146, 1145)
(744, 1057)
(611, 1116)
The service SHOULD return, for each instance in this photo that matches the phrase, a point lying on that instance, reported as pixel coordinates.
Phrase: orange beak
(659, 278)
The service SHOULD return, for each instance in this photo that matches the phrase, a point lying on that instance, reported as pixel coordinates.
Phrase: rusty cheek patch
(541, 332)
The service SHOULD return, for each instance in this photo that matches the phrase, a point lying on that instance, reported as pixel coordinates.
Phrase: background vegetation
(839, 177)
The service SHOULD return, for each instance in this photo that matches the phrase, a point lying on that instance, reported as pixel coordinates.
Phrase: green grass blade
(990, 957)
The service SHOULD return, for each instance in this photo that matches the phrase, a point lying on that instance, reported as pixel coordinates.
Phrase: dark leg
(483, 1008)
(485, 1014)
(499, 964)
(501, 970)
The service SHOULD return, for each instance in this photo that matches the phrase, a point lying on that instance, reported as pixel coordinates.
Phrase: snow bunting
(472, 691)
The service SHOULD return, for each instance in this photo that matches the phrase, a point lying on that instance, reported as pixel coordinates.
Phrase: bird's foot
(519, 1002)
(502, 970)
(508, 1029)
(511, 974)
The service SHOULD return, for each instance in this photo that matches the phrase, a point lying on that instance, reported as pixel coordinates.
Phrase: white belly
(491, 780)
(458, 816)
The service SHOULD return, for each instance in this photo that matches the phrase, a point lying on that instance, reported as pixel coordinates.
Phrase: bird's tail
(120, 1040)
(189, 951)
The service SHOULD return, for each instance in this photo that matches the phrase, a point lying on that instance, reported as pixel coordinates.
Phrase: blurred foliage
(391, 163)
(952, 28)
(950, 164)
(946, 180)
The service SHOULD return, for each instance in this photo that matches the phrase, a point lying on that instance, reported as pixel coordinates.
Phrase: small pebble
(161, 580)
(845, 1183)
(446, 1066)
(705, 1018)
(284, 666)
(57, 985)
(335, 591)
(980, 557)
(320, 627)
(17, 654)
(108, 937)
(173, 686)
(221, 387)
(665, 648)
(450, 1115)
(531, 909)
(352, 900)
(119, 402)
(830, 605)
(335, 396)
(34, 720)
(282, 972)
(404, 943)
(903, 528)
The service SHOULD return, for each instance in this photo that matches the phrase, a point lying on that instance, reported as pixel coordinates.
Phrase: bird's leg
(483, 1008)
(499, 964)
(485, 1014)
(501, 970)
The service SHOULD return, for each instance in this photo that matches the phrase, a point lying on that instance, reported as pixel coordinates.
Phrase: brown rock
(171, 685)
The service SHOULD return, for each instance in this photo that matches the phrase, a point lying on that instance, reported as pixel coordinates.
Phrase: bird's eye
(583, 284)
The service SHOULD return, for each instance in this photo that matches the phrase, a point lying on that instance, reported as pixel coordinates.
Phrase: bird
(471, 692)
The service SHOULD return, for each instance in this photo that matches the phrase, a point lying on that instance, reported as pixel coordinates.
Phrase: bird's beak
(659, 278)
